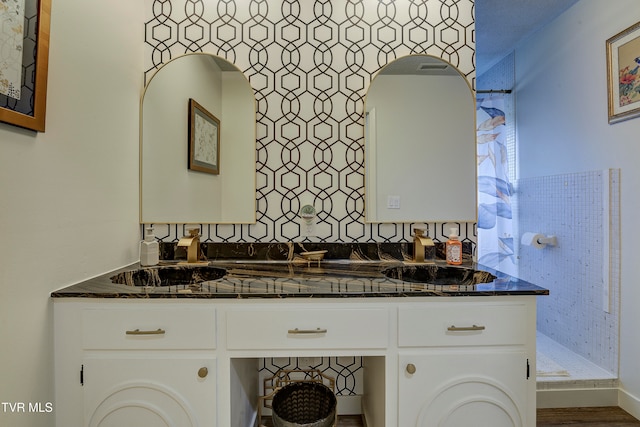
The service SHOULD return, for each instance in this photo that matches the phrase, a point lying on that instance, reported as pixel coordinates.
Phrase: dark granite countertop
(300, 279)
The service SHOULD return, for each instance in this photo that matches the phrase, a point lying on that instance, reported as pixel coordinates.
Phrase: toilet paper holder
(548, 240)
(538, 240)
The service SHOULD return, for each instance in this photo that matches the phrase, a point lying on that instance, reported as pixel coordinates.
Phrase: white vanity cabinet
(464, 363)
(133, 364)
(446, 361)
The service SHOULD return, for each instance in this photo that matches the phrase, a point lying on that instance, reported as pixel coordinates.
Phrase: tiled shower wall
(582, 272)
(310, 63)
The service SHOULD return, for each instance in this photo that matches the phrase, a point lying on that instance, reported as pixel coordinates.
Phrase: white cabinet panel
(455, 389)
(312, 328)
(150, 392)
(149, 327)
(462, 324)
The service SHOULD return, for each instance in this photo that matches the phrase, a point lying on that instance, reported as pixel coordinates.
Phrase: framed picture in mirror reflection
(204, 139)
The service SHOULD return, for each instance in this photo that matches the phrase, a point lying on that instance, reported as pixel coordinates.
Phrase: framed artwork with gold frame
(25, 106)
(623, 76)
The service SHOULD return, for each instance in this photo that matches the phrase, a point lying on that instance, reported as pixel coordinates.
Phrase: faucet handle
(418, 232)
(194, 232)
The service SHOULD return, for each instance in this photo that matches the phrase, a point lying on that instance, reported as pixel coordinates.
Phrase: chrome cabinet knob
(411, 368)
(203, 372)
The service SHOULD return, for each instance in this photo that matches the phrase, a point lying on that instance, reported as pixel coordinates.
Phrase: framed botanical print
(623, 78)
(24, 62)
(204, 140)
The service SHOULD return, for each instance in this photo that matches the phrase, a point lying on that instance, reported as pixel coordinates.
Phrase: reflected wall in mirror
(420, 148)
(169, 191)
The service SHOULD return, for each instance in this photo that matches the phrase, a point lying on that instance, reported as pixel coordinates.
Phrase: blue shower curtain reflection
(495, 235)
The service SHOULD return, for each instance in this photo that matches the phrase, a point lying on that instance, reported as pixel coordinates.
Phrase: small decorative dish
(313, 256)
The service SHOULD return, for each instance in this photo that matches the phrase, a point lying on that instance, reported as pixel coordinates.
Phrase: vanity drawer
(163, 327)
(453, 324)
(313, 328)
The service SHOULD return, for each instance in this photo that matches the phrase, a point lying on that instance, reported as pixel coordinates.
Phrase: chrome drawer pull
(139, 332)
(455, 328)
(307, 331)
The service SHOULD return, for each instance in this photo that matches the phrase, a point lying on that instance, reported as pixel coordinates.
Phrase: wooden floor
(343, 421)
(589, 417)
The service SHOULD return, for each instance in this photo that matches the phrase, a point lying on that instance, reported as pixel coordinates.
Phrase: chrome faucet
(420, 245)
(192, 243)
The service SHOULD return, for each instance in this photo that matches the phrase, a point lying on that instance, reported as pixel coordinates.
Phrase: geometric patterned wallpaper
(310, 63)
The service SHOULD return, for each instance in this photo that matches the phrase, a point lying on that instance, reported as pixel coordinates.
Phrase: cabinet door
(459, 389)
(149, 392)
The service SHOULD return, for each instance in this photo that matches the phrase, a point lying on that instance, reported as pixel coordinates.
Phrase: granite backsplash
(286, 251)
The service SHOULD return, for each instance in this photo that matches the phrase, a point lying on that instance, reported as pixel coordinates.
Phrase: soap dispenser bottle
(453, 249)
(149, 249)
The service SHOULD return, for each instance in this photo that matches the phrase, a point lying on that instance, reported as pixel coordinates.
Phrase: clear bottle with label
(453, 248)
(149, 249)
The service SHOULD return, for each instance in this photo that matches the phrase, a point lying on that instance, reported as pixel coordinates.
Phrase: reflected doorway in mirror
(222, 89)
(419, 143)
(204, 139)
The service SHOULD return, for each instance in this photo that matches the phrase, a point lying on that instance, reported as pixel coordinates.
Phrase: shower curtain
(495, 232)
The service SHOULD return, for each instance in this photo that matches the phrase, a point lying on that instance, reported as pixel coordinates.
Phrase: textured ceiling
(501, 24)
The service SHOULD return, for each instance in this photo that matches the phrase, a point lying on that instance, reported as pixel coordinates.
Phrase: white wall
(68, 197)
(562, 128)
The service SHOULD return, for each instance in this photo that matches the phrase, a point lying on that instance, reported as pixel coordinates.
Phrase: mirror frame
(254, 151)
(367, 167)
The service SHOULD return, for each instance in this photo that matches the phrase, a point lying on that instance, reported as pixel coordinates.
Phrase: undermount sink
(169, 276)
(439, 275)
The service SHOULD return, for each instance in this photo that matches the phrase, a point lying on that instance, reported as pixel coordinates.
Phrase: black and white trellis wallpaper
(310, 63)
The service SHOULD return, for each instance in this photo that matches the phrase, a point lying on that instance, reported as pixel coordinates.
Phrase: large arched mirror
(170, 190)
(420, 150)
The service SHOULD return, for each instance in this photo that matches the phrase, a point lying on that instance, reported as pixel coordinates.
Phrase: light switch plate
(393, 202)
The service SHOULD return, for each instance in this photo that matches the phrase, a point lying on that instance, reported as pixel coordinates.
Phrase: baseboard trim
(349, 405)
(577, 397)
(629, 403)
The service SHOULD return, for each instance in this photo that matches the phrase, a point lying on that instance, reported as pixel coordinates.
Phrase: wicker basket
(304, 404)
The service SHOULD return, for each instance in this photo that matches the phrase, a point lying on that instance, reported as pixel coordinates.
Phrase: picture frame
(29, 111)
(204, 139)
(623, 74)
